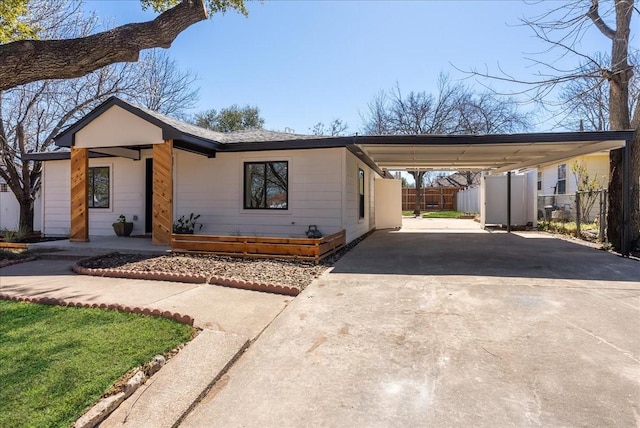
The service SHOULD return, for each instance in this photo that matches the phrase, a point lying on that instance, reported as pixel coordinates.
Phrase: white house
(127, 160)
(557, 184)
(248, 183)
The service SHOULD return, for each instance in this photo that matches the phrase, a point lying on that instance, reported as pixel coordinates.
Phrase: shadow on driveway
(525, 255)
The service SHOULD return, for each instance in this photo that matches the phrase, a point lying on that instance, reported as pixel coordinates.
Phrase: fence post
(578, 215)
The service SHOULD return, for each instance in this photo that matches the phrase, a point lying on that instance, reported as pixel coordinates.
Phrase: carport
(496, 154)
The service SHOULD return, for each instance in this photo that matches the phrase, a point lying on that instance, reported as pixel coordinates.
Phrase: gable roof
(185, 135)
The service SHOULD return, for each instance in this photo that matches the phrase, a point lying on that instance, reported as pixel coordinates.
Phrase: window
(99, 187)
(361, 192)
(4, 187)
(266, 185)
(562, 179)
(539, 180)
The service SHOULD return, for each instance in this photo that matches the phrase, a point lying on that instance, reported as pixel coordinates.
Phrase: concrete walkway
(231, 319)
(447, 329)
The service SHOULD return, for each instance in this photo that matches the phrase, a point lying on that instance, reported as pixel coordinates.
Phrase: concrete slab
(236, 311)
(445, 329)
(168, 395)
(99, 245)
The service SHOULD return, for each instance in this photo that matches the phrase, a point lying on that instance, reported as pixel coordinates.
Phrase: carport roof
(497, 153)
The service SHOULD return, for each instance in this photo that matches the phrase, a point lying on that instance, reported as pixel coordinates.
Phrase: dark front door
(148, 199)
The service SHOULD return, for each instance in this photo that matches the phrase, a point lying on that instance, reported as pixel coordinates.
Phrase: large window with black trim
(266, 185)
(99, 187)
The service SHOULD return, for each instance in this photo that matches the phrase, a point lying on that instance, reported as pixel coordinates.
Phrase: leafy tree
(12, 23)
(230, 119)
(25, 60)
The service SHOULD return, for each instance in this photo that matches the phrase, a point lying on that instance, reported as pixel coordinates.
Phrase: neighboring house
(559, 178)
(9, 208)
(557, 183)
(153, 169)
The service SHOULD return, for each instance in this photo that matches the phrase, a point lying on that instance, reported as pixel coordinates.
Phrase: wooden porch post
(79, 231)
(162, 224)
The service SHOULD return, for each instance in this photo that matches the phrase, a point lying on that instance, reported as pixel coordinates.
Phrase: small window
(4, 187)
(539, 180)
(99, 187)
(266, 185)
(562, 179)
(361, 193)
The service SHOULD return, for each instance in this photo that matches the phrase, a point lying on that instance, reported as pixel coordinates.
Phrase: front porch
(99, 245)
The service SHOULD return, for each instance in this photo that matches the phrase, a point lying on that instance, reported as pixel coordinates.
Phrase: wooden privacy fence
(312, 249)
(433, 198)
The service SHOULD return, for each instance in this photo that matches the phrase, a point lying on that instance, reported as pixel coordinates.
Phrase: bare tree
(584, 102)
(562, 28)
(454, 109)
(24, 61)
(336, 127)
(162, 86)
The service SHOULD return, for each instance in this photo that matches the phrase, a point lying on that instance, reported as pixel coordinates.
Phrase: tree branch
(31, 60)
(597, 20)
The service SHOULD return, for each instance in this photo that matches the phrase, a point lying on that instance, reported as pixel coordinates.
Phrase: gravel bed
(277, 272)
(292, 273)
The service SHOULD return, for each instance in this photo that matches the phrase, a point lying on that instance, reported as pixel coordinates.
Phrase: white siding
(9, 211)
(597, 165)
(127, 196)
(354, 225)
(323, 191)
(213, 188)
(117, 127)
(388, 194)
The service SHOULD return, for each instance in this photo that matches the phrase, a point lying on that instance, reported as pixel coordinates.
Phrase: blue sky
(302, 62)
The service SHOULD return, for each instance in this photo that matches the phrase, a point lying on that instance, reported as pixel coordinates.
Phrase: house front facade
(122, 163)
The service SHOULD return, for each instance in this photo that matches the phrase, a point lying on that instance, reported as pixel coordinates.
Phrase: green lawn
(56, 361)
(442, 214)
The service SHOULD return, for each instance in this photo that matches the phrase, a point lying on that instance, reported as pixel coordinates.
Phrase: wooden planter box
(252, 246)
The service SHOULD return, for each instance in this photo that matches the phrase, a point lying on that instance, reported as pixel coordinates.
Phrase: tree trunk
(26, 215)
(27, 61)
(417, 176)
(619, 116)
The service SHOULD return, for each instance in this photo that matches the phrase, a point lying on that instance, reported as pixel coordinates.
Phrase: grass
(565, 227)
(56, 361)
(442, 214)
(436, 214)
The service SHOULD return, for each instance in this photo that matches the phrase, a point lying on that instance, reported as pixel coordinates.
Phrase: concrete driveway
(447, 327)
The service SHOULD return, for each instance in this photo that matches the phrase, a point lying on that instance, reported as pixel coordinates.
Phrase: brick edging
(188, 278)
(16, 261)
(183, 319)
(255, 286)
(156, 276)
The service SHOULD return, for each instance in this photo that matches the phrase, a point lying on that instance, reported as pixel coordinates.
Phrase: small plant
(19, 235)
(187, 225)
(122, 227)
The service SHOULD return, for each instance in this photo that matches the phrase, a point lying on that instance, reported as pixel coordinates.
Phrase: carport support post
(626, 200)
(509, 202)
(578, 214)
